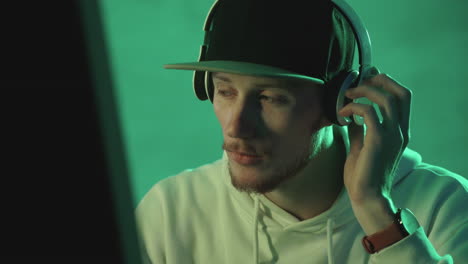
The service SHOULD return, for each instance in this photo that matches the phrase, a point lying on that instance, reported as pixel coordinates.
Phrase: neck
(314, 189)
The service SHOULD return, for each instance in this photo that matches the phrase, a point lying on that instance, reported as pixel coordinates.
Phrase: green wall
(420, 43)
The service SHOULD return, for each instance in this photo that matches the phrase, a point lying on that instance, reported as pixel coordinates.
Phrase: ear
(324, 122)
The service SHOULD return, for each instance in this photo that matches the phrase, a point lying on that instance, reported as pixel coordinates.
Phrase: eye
(224, 91)
(278, 100)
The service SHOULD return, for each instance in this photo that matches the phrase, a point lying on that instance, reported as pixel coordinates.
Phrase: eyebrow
(257, 85)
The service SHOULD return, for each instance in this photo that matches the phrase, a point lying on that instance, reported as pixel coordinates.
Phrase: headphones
(335, 88)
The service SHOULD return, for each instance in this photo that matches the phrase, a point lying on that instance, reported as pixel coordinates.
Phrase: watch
(405, 224)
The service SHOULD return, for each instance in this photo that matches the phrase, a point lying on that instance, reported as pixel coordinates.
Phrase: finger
(404, 96)
(370, 72)
(356, 138)
(388, 103)
(367, 111)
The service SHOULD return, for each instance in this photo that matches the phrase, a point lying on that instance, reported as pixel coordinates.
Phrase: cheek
(277, 121)
(288, 133)
(220, 115)
(292, 132)
(295, 122)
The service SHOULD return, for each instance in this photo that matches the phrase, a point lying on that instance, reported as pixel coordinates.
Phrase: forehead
(264, 82)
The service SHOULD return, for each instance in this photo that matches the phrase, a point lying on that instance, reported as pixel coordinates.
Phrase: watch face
(409, 220)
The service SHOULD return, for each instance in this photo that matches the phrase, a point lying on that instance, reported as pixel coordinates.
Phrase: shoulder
(189, 185)
(426, 182)
(413, 172)
(437, 177)
(191, 194)
(431, 189)
(203, 177)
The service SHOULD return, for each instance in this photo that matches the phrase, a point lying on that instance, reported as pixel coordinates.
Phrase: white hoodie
(197, 216)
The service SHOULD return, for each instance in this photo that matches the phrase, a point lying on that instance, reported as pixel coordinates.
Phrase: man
(293, 186)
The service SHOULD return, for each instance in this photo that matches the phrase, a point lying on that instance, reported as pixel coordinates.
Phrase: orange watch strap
(384, 238)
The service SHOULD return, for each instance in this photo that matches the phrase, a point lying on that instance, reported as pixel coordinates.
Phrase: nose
(243, 121)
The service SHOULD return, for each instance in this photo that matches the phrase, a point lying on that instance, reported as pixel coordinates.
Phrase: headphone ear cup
(209, 86)
(335, 98)
(199, 85)
(199, 81)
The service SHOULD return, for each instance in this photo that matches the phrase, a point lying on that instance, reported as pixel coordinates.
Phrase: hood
(258, 210)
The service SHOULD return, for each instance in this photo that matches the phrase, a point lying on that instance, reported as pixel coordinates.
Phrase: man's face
(268, 126)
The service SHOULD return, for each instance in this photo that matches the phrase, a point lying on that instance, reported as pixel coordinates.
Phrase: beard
(266, 183)
(279, 171)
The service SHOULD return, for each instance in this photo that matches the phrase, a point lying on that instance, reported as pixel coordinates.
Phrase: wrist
(374, 214)
(404, 224)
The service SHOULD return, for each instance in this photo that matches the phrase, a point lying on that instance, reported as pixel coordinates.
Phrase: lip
(245, 159)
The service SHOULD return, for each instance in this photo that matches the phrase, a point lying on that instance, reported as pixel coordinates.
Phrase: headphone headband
(360, 33)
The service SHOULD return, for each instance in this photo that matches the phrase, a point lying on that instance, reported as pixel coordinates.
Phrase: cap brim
(237, 67)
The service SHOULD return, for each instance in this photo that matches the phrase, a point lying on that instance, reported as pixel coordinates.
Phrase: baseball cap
(300, 39)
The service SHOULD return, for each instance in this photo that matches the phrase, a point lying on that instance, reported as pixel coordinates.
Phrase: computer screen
(66, 194)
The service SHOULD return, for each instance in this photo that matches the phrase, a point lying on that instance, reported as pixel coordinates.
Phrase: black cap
(296, 38)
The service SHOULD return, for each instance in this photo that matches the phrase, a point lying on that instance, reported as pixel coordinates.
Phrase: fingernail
(374, 71)
(370, 72)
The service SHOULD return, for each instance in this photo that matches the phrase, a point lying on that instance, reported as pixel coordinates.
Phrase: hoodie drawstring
(255, 237)
(330, 224)
(330, 240)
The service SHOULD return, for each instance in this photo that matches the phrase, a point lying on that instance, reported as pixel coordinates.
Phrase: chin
(251, 180)
(263, 179)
